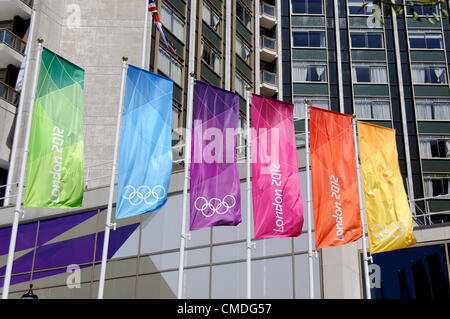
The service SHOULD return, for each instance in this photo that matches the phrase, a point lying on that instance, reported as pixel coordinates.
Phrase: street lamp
(29, 294)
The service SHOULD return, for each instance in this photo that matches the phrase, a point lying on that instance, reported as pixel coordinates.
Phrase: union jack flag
(152, 9)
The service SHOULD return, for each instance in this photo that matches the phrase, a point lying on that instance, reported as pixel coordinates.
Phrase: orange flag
(337, 218)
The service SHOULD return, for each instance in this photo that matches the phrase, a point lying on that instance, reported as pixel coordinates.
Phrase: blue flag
(145, 156)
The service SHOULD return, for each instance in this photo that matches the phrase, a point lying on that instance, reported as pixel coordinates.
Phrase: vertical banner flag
(337, 218)
(277, 199)
(388, 213)
(55, 166)
(215, 194)
(145, 156)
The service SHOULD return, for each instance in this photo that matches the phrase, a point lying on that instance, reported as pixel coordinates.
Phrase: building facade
(327, 52)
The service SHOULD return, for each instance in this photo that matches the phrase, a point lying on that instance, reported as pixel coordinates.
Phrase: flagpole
(308, 203)
(18, 207)
(17, 128)
(187, 161)
(187, 144)
(101, 284)
(362, 209)
(144, 36)
(249, 238)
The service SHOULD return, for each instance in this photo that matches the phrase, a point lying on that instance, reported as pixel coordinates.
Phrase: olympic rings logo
(391, 230)
(214, 205)
(143, 194)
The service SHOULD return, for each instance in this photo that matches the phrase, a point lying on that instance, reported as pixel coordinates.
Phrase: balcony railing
(268, 43)
(267, 9)
(268, 78)
(9, 94)
(12, 40)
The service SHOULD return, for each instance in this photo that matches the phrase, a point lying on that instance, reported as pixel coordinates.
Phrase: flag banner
(388, 213)
(154, 11)
(277, 199)
(337, 217)
(215, 194)
(145, 155)
(55, 164)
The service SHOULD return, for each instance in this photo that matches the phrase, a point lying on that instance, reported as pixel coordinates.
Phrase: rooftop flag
(55, 167)
(145, 156)
(215, 194)
(153, 10)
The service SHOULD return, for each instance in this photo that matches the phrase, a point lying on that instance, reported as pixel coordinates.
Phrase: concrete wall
(7, 114)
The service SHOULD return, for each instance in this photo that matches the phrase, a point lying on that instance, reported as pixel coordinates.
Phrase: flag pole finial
(124, 58)
(306, 101)
(353, 116)
(249, 88)
(40, 40)
(192, 74)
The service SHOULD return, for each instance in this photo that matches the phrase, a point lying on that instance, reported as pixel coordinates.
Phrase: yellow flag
(388, 213)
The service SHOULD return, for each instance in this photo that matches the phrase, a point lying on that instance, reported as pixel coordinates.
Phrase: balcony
(9, 94)
(268, 17)
(268, 51)
(269, 83)
(12, 48)
(11, 8)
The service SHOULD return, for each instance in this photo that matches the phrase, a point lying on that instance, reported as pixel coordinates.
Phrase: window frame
(425, 33)
(308, 31)
(428, 67)
(309, 65)
(245, 10)
(172, 61)
(366, 39)
(174, 15)
(212, 13)
(369, 66)
(213, 52)
(372, 101)
(306, 8)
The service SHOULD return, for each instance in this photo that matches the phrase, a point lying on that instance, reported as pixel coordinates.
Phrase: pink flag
(277, 199)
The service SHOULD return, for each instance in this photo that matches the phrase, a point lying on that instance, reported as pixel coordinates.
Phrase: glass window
(433, 110)
(210, 17)
(355, 5)
(316, 101)
(172, 22)
(169, 66)
(425, 40)
(369, 73)
(436, 184)
(422, 10)
(210, 57)
(314, 39)
(242, 50)
(306, 72)
(240, 84)
(434, 146)
(425, 74)
(377, 109)
(306, 6)
(243, 15)
(372, 40)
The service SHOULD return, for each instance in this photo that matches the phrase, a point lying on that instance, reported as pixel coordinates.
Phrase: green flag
(55, 166)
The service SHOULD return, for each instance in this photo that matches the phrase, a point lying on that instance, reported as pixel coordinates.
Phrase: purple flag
(215, 195)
